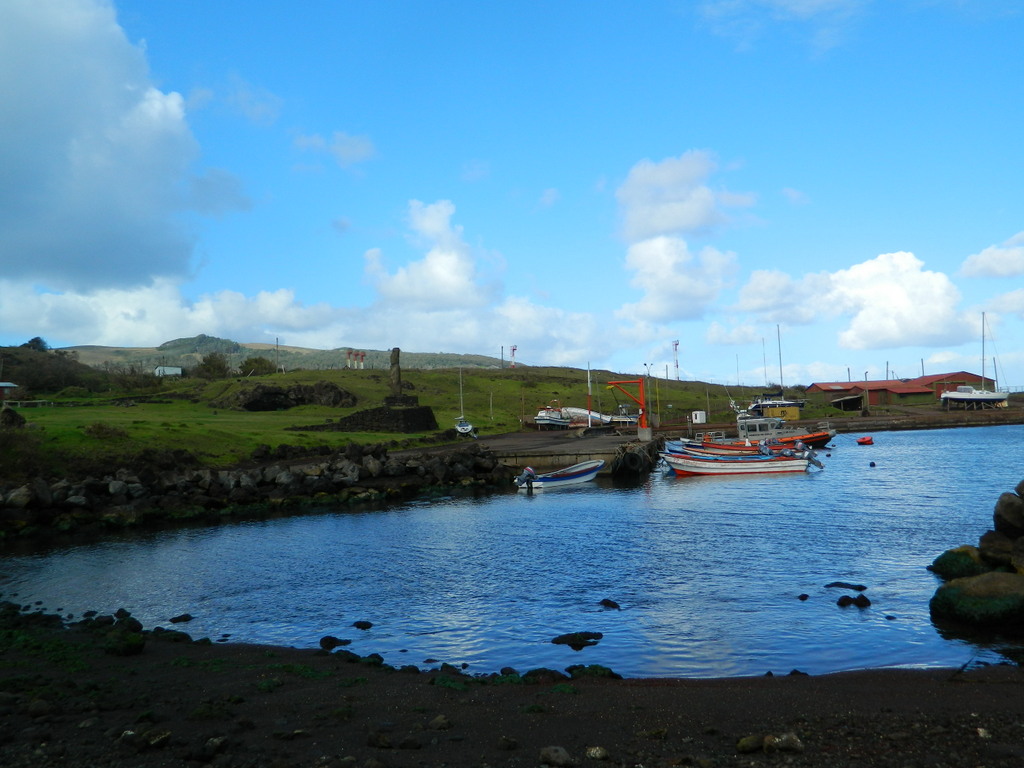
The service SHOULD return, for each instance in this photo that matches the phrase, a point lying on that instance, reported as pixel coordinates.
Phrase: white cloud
(675, 283)
(825, 21)
(672, 197)
(1004, 260)
(346, 150)
(475, 170)
(445, 278)
(549, 197)
(891, 301)
(150, 315)
(736, 335)
(258, 105)
(95, 160)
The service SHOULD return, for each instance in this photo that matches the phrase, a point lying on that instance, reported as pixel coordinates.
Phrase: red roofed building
(924, 390)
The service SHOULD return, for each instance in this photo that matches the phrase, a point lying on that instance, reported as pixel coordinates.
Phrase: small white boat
(530, 480)
(684, 464)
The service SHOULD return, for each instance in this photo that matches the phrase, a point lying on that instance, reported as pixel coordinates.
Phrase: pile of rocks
(985, 583)
(125, 498)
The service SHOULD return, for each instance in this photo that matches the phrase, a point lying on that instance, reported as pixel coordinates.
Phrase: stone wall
(354, 475)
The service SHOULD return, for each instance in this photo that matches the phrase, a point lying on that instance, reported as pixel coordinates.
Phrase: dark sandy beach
(68, 697)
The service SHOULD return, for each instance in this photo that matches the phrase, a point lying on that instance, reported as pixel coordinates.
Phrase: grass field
(106, 429)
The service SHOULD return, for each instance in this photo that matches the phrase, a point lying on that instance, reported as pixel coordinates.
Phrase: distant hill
(188, 352)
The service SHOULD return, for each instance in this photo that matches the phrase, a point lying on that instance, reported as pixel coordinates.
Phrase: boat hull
(561, 478)
(687, 465)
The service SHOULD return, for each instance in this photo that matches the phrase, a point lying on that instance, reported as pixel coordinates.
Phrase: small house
(167, 370)
(5, 388)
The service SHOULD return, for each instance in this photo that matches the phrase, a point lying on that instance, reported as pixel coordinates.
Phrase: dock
(546, 450)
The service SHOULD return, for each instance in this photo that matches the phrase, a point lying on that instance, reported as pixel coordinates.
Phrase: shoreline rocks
(984, 584)
(152, 497)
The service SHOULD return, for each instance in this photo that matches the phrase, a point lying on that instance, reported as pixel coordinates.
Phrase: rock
(362, 624)
(180, 619)
(606, 603)
(787, 742)
(1008, 517)
(751, 743)
(597, 753)
(1017, 555)
(861, 601)
(440, 723)
(994, 598)
(959, 562)
(995, 547)
(556, 756)
(10, 418)
(846, 585)
(578, 640)
(330, 642)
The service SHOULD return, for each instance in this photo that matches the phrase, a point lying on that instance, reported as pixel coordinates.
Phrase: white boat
(753, 429)
(687, 464)
(529, 480)
(761, 403)
(970, 397)
(552, 418)
(557, 417)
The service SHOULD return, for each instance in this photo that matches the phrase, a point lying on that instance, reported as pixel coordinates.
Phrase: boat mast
(982, 350)
(778, 335)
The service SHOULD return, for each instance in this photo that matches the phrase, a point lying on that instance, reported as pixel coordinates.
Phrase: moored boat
(530, 480)
(690, 464)
(754, 429)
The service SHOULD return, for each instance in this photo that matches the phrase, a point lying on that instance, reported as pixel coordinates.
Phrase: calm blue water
(707, 571)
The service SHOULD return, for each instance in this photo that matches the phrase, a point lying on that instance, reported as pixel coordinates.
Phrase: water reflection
(707, 571)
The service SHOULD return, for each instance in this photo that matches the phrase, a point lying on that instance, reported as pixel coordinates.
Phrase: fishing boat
(753, 429)
(763, 402)
(530, 480)
(685, 465)
(711, 448)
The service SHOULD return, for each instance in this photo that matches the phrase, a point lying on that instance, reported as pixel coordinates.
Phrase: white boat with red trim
(686, 464)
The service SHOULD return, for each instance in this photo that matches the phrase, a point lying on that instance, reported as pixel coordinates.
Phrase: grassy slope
(496, 401)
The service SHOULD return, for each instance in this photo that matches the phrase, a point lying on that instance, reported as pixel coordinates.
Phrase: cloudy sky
(588, 181)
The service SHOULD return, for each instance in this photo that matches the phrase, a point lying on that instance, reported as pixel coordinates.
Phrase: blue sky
(587, 181)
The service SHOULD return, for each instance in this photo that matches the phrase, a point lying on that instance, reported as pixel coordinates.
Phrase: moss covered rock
(991, 599)
(960, 562)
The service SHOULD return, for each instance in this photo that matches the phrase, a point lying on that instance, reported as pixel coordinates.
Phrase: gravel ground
(101, 693)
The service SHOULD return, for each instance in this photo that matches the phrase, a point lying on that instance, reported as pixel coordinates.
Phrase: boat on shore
(969, 397)
(558, 417)
(530, 480)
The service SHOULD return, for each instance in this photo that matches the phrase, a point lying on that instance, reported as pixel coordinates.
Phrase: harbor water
(712, 576)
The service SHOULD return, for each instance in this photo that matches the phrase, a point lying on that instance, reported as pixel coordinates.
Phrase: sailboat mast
(778, 335)
(982, 350)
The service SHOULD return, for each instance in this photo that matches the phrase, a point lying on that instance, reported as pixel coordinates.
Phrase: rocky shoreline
(280, 481)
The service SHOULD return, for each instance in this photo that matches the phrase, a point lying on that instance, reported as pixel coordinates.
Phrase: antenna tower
(675, 355)
(513, 351)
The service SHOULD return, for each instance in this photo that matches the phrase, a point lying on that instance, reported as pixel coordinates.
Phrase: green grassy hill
(102, 431)
(188, 352)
